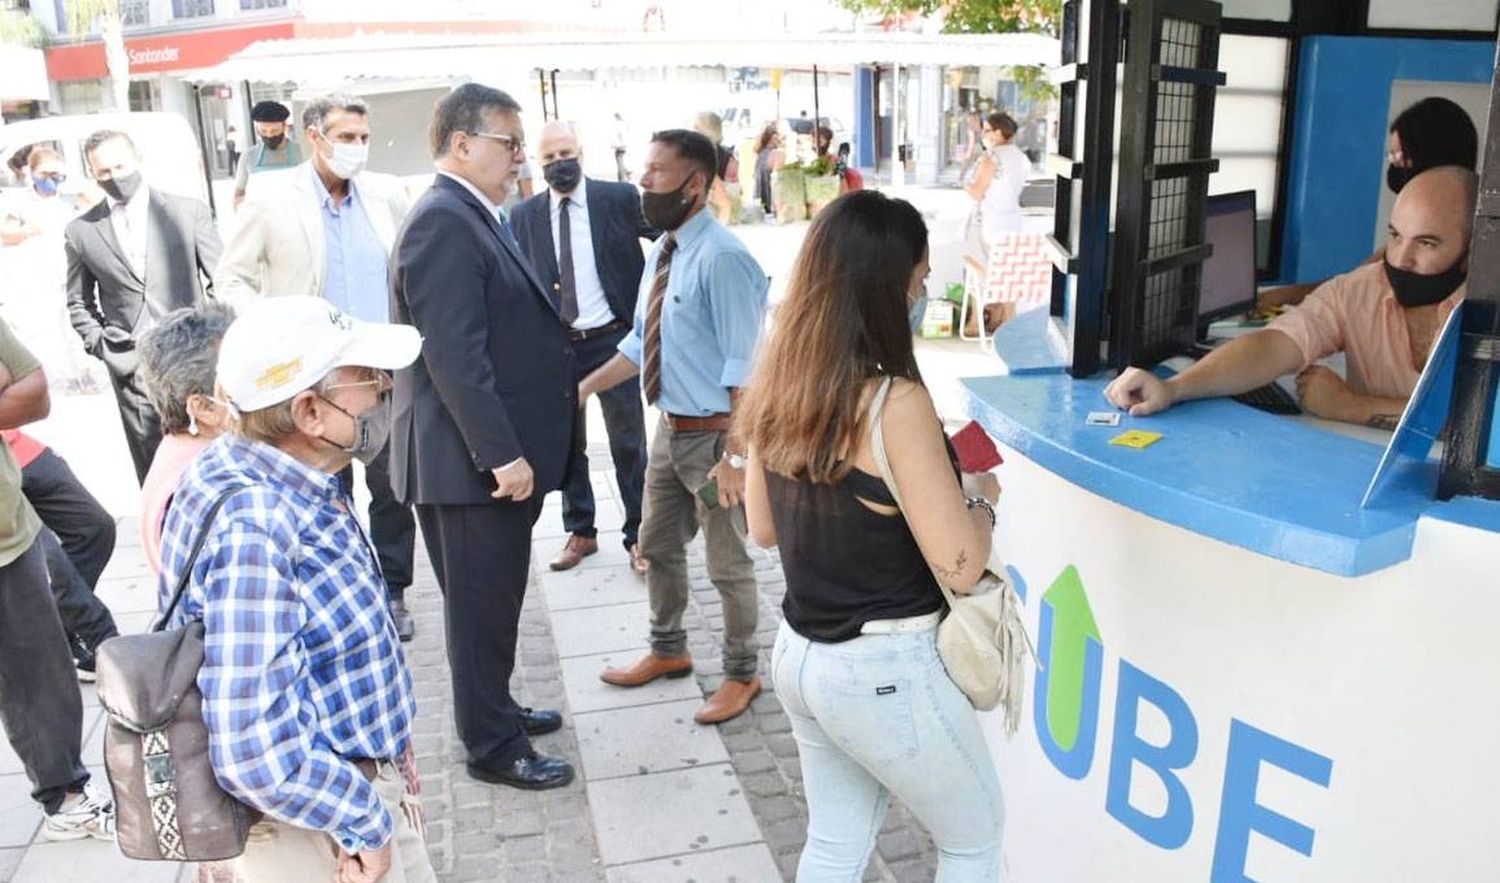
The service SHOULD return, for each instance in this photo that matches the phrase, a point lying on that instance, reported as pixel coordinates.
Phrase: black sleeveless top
(846, 564)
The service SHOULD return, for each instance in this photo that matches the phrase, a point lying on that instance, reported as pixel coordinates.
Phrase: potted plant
(822, 183)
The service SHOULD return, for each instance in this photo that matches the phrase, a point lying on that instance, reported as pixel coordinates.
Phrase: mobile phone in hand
(709, 493)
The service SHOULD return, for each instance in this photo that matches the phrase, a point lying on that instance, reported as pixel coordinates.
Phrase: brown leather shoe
(638, 562)
(575, 550)
(647, 669)
(728, 702)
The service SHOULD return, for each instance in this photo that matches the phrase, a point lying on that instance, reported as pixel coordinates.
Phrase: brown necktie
(651, 371)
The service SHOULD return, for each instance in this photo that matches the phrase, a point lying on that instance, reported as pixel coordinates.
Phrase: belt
(711, 423)
(905, 625)
(581, 334)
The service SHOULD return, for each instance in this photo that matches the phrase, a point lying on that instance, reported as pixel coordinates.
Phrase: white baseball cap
(280, 346)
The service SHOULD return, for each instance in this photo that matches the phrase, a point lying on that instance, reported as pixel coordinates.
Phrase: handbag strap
(187, 569)
(877, 448)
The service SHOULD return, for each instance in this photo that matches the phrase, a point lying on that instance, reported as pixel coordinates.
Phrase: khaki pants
(278, 852)
(678, 465)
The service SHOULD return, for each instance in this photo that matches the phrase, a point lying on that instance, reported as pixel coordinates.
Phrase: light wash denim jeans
(877, 716)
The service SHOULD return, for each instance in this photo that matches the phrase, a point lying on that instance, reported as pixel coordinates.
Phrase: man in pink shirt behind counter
(1384, 317)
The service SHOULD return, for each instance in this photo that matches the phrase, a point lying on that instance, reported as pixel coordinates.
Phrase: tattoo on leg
(1388, 422)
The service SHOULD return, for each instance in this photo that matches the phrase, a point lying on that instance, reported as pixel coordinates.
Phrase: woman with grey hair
(177, 364)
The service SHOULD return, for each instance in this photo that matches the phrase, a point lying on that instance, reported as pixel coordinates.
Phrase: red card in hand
(976, 451)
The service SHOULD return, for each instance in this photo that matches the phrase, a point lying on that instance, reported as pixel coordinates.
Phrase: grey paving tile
(649, 739)
(10, 859)
(611, 553)
(737, 864)
(601, 629)
(19, 814)
(689, 811)
(128, 594)
(592, 587)
(587, 693)
(89, 860)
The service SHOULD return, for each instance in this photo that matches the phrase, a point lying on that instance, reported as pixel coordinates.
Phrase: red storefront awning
(186, 50)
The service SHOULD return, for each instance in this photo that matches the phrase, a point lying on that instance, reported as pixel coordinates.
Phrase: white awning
(460, 56)
(23, 74)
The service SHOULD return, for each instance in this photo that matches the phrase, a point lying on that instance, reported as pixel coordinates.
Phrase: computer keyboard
(1270, 398)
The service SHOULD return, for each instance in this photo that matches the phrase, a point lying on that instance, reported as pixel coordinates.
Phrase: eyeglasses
(59, 177)
(380, 380)
(512, 143)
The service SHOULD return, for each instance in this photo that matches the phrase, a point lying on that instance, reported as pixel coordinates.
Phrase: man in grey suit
(136, 256)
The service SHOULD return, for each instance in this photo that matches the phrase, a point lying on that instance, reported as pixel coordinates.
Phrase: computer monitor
(1229, 275)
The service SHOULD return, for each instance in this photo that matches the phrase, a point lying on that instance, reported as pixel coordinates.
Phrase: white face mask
(348, 160)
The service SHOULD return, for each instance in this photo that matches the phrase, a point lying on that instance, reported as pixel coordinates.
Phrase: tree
(972, 16)
(982, 17)
(82, 15)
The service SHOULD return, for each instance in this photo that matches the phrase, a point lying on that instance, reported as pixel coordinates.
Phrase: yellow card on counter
(1136, 438)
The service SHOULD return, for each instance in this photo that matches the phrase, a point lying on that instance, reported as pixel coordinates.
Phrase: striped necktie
(651, 370)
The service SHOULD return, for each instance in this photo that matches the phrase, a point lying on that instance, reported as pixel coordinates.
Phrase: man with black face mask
(583, 238)
(136, 256)
(702, 305)
(274, 147)
(1384, 317)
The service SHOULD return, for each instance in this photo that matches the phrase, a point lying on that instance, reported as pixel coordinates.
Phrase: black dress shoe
(536, 722)
(405, 627)
(534, 772)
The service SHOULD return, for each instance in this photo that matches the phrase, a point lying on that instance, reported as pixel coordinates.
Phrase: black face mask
(1422, 289)
(122, 188)
(563, 175)
(667, 211)
(273, 142)
(1397, 176)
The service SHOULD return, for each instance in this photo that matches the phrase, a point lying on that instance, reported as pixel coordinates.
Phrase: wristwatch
(735, 461)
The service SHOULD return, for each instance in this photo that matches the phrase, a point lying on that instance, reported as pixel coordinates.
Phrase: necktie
(505, 228)
(651, 371)
(565, 262)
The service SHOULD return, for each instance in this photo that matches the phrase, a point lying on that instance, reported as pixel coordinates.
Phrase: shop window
(262, 4)
(192, 8)
(145, 95)
(1247, 125)
(134, 13)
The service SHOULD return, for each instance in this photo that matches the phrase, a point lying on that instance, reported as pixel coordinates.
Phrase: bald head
(1432, 220)
(559, 140)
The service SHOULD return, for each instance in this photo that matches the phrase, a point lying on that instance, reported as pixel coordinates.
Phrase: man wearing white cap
(306, 695)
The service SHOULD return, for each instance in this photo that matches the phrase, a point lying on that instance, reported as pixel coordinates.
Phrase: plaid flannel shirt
(302, 669)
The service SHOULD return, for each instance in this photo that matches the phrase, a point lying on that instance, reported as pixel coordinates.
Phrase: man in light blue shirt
(697, 323)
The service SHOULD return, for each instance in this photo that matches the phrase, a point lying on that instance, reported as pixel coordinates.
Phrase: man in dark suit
(594, 273)
(136, 256)
(483, 419)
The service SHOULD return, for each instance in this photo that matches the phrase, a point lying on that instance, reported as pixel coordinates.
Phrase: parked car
(170, 156)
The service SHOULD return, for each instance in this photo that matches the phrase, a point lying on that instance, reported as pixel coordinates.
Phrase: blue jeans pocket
(872, 719)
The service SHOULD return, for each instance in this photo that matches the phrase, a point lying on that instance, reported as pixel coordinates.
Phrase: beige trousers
(277, 852)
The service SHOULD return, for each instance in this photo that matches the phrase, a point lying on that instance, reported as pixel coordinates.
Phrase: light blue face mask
(917, 313)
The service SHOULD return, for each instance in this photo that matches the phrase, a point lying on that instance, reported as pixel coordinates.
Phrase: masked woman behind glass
(855, 663)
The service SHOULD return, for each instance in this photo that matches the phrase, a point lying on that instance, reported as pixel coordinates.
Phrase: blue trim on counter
(1470, 512)
(1269, 484)
(1033, 342)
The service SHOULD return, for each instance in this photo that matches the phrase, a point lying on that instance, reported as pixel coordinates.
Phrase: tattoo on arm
(958, 566)
(1388, 422)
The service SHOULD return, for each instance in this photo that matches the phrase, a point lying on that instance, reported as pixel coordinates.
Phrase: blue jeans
(876, 716)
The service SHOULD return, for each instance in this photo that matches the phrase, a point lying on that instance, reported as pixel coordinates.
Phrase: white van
(170, 157)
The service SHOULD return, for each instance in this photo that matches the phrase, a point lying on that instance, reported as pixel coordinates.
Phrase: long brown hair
(843, 322)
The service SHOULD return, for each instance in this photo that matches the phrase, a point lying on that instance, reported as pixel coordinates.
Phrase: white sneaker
(91, 814)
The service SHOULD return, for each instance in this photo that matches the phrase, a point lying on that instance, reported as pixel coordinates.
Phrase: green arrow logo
(1072, 625)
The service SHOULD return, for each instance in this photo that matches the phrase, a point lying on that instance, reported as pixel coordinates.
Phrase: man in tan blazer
(325, 228)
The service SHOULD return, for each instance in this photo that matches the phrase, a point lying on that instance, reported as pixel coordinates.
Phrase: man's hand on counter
(1139, 392)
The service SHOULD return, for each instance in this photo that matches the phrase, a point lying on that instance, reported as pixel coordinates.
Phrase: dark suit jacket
(107, 298)
(616, 228)
(495, 380)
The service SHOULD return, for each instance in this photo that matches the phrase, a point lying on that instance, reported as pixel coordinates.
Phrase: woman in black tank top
(855, 663)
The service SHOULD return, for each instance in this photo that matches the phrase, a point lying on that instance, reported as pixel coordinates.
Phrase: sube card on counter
(1136, 438)
(1103, 418)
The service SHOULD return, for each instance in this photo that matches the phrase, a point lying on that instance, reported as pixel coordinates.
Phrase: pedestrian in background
(999, 177)
(326, 229)
(855, 663)
(274, 147)
(132, 258)
(306, 694)
(699, 316)
(177, 365)
(583, 238)
(484, 420)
